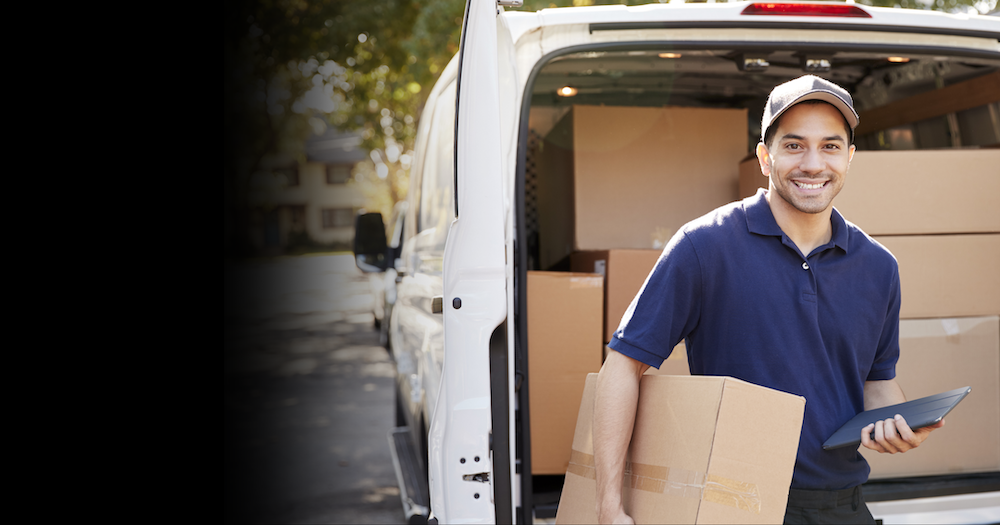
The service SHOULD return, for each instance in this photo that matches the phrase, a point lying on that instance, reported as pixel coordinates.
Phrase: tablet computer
(918, 413)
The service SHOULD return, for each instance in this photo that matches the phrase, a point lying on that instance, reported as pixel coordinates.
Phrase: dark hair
(773, 128)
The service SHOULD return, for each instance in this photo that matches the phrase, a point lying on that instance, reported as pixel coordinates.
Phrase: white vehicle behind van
(515, 172)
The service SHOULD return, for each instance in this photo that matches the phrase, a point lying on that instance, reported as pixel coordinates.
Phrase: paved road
(308, 396)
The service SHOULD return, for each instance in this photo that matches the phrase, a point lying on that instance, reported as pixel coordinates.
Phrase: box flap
(753, 456)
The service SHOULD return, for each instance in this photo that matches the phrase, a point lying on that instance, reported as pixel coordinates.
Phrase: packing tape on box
(676, 482)
(585, 282)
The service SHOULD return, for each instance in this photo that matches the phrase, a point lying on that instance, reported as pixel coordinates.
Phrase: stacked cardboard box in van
(629, 177)
(936, 211)
(937, 355)
(564, 345)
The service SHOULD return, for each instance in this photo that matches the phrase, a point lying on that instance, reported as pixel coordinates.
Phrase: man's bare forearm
(880, 394)
(614, 417)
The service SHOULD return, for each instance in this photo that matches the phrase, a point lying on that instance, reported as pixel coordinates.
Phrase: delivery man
(778, 290)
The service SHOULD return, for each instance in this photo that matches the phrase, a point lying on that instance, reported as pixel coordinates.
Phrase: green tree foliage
(295, 67)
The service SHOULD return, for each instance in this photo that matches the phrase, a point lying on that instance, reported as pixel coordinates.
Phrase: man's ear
(764, 159)
(850, 154)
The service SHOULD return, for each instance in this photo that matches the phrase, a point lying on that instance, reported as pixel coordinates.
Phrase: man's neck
(807, 230)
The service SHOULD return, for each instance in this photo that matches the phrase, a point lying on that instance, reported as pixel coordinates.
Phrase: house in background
(298, 206)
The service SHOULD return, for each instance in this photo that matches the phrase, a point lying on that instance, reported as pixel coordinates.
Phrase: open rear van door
(470, 452)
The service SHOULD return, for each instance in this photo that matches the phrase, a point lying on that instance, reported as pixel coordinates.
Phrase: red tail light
(775, 9)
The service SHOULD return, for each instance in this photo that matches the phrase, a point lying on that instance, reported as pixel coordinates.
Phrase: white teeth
(809, 186)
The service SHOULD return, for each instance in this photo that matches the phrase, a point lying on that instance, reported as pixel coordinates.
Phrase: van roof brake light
(780, 9)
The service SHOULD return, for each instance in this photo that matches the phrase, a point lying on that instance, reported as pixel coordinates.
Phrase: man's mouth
(807, 186)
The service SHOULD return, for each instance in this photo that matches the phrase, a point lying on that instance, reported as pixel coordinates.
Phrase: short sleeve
(887, 353)
(667, 307)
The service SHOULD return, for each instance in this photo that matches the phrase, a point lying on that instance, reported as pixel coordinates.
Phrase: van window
(437, 207)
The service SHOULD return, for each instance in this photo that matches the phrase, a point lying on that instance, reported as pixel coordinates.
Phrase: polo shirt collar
(761, 221)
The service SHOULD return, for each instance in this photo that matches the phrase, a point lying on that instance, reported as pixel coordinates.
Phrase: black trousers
(827, 506)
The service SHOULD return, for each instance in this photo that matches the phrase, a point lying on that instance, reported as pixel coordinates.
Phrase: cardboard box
(750, 177)
(947, 275)
(564, 345)
(704, 450)
(913, 192)
(937, 355)
(625, 271)
(640, 173)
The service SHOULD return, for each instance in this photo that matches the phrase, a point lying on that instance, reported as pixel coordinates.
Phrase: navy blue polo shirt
(750, 305)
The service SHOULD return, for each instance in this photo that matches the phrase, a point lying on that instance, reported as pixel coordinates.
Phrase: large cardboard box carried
(704, 450)
(912, 192)
(947, 275)
(639, 174)
(564, 345)
(937, 355)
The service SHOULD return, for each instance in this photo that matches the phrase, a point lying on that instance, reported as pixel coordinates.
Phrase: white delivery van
(581, 130)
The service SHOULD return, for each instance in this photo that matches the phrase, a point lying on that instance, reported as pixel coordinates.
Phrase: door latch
(482, 477)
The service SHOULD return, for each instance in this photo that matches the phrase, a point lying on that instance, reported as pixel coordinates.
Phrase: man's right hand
(619, 518)
(615, 404)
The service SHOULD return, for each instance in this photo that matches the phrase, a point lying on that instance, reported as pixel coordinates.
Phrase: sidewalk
(308, 396)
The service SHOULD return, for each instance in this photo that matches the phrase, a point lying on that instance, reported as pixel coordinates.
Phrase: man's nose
(812, 162)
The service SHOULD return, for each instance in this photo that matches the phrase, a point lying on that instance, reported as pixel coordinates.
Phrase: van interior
(624, 145)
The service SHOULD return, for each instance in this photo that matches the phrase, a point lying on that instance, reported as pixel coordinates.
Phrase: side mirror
(370, 248)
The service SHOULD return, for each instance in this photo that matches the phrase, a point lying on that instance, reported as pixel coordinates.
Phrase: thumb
(929, 428)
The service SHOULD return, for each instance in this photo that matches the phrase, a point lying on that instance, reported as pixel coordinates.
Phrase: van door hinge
(437, 305)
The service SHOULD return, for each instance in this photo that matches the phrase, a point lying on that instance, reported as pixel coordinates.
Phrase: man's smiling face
(808, 158)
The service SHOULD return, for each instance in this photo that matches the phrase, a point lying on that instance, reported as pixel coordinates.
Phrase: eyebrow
(793, 136)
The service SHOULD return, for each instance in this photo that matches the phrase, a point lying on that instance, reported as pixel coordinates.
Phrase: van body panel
(415, 333)
(882, 19)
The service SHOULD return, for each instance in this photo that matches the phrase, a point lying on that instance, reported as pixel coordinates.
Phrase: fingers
(894, 435)
(618, 518)
(867, 441)
(909, 440)
(882, 437)
(885, 435)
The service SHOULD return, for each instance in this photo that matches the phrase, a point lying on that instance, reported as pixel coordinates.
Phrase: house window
(337, 173)
(337, 217)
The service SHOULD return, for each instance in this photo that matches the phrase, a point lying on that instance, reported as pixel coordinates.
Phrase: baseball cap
(807, 87)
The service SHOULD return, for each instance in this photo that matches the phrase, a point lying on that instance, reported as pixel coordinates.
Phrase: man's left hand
(894, 435)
